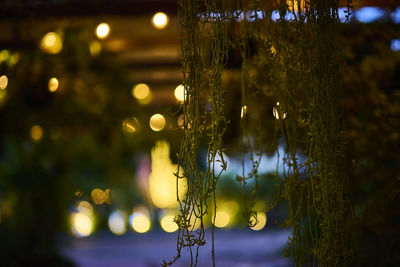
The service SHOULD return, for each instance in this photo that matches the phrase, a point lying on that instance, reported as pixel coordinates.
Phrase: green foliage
(294, 61)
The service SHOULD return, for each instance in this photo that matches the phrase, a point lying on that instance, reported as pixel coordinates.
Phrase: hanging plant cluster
(290, 53)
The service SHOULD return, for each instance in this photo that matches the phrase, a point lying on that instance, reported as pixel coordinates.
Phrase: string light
(95, 48)
(3, 82)
(53, 84)
(180, 93)
(102, 30)
(167, 223)
(222, 219)
(36, 132)
(51, 43)
(140, 222)
(160, 20)
(157, 122)
(116, 223)
(141, 91)
(261, 221)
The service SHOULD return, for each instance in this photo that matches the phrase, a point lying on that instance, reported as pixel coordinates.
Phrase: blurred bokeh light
(82, 224)
(131, 125)
(167, 223)
(95, 48)
(100, 197)
(261, 221)
(162, 181)
(222, 219)
(82, 220)
(116, 223)
(157, 122)
(141, 91)
(102, 30)
(52, 43)
(160, 20)
(3, 82)
(53, 84)
(180, 93)
(140, 222)
(36, 132)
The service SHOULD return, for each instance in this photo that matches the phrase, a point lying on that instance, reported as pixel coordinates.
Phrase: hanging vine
(294, 61)
(204, 118)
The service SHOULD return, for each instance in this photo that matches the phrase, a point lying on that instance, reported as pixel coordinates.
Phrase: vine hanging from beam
(294, 60)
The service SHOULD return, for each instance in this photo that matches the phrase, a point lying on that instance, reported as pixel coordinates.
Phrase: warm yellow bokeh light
(85, 207)
(116, 223)
(157, 122)
(243, 112)
(51, 43)
(14, 59)
(82, 224)
(100, 197)
(95, 48)
(36, 132)
(141, 91)
(162, 181)
(167, 223)
(102, 30)
(278, 114)
(222, 219)
(160, 20)
(53, 84)
(3, 82)
(180, 93)
(140, 222)
(194, 223)
(262, 221)
(4, 55)
(131, 125)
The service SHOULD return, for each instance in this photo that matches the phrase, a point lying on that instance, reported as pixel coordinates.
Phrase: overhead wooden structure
(87, 8)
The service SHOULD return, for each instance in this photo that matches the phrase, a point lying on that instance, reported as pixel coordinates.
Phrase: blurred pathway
(236, 248)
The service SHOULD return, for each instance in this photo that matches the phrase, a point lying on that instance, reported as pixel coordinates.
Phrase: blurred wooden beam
(84, 8)
(89, 8)
(377, 3)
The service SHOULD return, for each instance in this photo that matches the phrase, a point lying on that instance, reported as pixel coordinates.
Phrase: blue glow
(252, 15)
(216, 15)
(395, 45)
(275, 15)
(234, 164)
(396, 16)
(369, 14)
(211, 16)
(343, 13)
(289, 16)
(239, 14)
